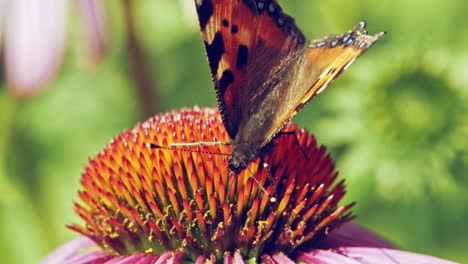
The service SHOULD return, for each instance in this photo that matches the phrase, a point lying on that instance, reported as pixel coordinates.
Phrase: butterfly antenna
(200, 144)
(177, 148)
(272, 199)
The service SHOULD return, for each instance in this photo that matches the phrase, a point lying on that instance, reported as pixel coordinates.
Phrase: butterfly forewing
(227, 33)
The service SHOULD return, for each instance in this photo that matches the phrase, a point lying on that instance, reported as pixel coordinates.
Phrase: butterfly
(263, 70)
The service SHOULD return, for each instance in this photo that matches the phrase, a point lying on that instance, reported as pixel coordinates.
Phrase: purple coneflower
(144, 205)
(34, 37)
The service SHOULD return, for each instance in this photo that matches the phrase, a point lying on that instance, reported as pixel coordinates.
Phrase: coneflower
(146, 205)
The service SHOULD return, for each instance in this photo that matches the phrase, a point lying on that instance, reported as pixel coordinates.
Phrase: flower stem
(138, 64)
(8, 108)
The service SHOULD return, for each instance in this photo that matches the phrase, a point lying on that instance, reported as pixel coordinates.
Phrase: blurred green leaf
(396, 121)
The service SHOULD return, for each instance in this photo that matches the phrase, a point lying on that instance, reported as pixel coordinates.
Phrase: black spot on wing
(242, 56)
(215, 51)
(225, 81)
(234, 29)
(205, 11)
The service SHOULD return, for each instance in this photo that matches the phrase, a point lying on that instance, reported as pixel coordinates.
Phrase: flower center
(139, 199)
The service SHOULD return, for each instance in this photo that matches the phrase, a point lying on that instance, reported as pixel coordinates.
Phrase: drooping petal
(363, 255)
(95, 28)
(93, 257)
(3, 5)
(237, 258)
(34, 38)
(325, 257)
(352, 235)
(278, 258)
(71, 250)
(80, 251)
(140, 258)
(171, 257)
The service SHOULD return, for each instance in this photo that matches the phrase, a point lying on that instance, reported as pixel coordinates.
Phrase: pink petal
(95, 28)
(278, 258)
(77, 251)
(325, 257)
(3, 8)
(201, 260)
(238, 258)
(364, 255)
(140, 258)
(35, 34)
(390, 256)
(94, 257)
(170, 257)
(70, 250)
(352, 235)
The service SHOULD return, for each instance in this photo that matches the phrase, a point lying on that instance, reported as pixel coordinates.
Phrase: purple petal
(95, 28)
(364, 255)
(3, 8)
(238, 258)
(201, 260)
(278, 258)
(140, 258)
(170, 257)
(325, 257)
(93, 257)
(352, 235)
(35, 34)
(228, 258)
(69, 251)
(77, 251)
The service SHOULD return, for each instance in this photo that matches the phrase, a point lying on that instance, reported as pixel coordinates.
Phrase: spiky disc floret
(138, 199)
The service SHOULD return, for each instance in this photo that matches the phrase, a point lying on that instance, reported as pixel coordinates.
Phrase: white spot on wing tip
(362, 24)
(348, 64)
(319, 91)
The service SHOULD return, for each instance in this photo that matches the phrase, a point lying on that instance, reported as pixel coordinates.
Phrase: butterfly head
(242, 154)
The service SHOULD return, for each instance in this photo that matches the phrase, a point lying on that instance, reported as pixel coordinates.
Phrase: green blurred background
(396, 122)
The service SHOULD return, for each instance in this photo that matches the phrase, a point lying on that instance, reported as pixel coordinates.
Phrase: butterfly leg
(293, 133)
(266, 167)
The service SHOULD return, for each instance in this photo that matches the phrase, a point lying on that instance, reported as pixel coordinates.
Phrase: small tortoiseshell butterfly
(263, 70)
